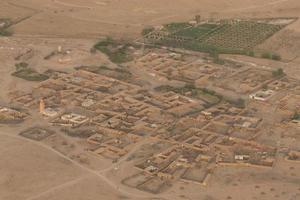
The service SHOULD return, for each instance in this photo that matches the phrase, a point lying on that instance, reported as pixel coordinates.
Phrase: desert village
(166, 117)
(198, 130)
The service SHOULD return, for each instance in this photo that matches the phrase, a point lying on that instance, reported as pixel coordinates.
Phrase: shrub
(147, 30)
(250, 53)
(30, 75)
(278, 73)
(5, 33)
(296, 116)
(266, 55)
(26, 73)
(21, 65)
(116, 51)
(176, 26)
(276, 57)
(273, 56)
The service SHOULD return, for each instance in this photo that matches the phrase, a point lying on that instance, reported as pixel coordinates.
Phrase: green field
(227, 36)
(173, 27)
(198, 31)
(242, 35)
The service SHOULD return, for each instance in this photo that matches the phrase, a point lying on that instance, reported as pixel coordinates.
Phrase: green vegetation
(250, 53)
(227, 36)
(296, 116)
(21, 66)
(195, 32)
(276, 57)
(116, 51)
(4, 24)
(5, 33)
(272, 56)
(216, 58)
(147, 30)
(241, 35)
(176, 26)
(278, 73)
(266, 55)
(26, 73)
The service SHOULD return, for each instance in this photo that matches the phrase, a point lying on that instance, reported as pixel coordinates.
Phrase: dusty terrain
(93, 19)
(64, 167)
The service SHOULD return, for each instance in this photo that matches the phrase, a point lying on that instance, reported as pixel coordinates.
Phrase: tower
(198, 19)
(42, 106)
(59, 49)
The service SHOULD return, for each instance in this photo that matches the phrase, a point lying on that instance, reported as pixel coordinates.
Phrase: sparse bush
(250, 53)
(176, 26)
(147, 30)
(276, 57)
(266, 55)
(278, 73)
(116, 51)
(21, 66)
(5, 33)
(296, 116)
(207, 91)
(30, 75)
(26, 73)
(272, 56)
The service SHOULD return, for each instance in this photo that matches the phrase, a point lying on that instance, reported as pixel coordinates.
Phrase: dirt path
(56, 188)
(86, 169)
(124, 158)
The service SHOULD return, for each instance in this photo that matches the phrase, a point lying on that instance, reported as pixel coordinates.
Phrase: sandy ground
(126, 19)
(34, 171)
